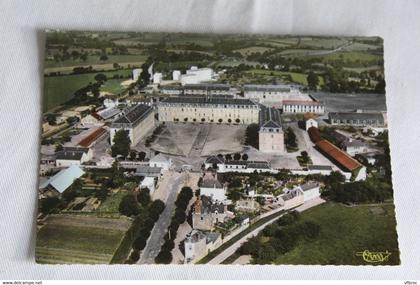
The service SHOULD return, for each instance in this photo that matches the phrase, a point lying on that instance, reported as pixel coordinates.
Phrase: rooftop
(319, 167)
(209, 181)
(208, 101)
(71, 153)
(108, 113)
(272, 88)
(208, 206)
(356, 116)
(63, 179)
(215, 159)
(87, 141)
(309, 186)
(270, 118)
(339, 156)
(210, 86)
(144, 170)
(301, 102)
(133, 114)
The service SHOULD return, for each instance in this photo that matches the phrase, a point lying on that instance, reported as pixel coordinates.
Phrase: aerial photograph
(240, 149)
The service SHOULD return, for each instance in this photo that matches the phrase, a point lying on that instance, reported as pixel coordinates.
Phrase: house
(207, 213)
(198, 244)
(310, 191)
(211, 187)
(161, 161)
(73, 156)
(310, 121)
(291, 199)
(353, 146)
(242, 166)
(109, 114)
(213, 162)
(149, 182)
(91, 139)
(303, 106)
(63, 179)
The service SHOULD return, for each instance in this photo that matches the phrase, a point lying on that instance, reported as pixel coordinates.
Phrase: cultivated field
(69, 239)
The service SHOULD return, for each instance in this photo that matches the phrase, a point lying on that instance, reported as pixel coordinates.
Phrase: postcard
(174, 148)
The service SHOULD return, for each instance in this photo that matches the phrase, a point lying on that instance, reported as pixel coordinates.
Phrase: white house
(310, 191)
(157, 78)
(197, 75)
(176, 75)
(161, 161)
(73, 156)
(149, 182)
(109, 103)
(309, 121)
(91, 120)
(353, 147)
(136, 73)
(211, 187)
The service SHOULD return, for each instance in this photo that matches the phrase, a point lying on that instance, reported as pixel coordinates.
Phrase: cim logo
(374, 256)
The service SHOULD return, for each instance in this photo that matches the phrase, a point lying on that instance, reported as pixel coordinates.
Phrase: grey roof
(145, 170)
(356, 116)
(215, 159)
(169, 87)
(308, 186)
(268, 88)
(63, 179)
(214, 86)
(208, 101)
(320, 167)
(71, 153)
(108, 113)
(211, 237)
(211, 183)
(159, 158)
(270, 118)
(236, 162)
(195, 236)
(133, 115)
(258, 164)
(209, 206)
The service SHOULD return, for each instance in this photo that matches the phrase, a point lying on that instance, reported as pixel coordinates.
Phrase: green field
(94, 59)
(296, 77)
(59, 89)
(61, 244)
(351, 56)
(344, 232)
(112, 203)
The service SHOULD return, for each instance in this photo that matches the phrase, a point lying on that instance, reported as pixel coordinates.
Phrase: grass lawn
(59, 89)
(73, 244)
(352, 56)
(344, 232)
(112, 203)
(296, 77)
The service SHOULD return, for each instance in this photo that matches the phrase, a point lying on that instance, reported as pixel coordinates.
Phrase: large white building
(209, 89)
(136, 73)
(271, 136)
(137, 120)
(199, 244)
(210, 110)
(197, 75)
(273, 95)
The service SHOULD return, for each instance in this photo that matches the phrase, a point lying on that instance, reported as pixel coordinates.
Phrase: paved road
(159, 230)
(231, 250)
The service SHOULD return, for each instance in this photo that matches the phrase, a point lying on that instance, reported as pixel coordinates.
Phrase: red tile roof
(301, 102)
(87, 141)
(339, 156)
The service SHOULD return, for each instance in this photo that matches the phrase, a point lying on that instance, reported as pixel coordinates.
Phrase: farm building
(73, 156)
(358, 119)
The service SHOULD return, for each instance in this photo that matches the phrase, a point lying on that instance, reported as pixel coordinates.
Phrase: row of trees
(179, 217)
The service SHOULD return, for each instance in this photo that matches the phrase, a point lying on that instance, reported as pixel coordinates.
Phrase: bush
(180, 216)
(168, 245)
(164, 257)
(237, 156)
(155, 209)
(129, 206)
(144, 197)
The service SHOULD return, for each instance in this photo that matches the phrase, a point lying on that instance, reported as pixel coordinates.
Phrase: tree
(121, 144)
(133, 155)
(51, 119)
(251, 135)
(72, 120)
(139, 243)
(135, 255)
(103, 57)
(100, 78)
(237, 156)
(142, 155)
(129, 206)
(48, 204)
(156, 208)
(290, 138)
(180, 216)
(220, 120)
(102, 193)
(164, 257)
(73, 191)
(244, 156)
(313, 80)
(144, 197)
(228, 156)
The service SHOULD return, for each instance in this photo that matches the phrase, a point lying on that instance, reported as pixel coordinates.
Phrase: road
(231, 250)
(156, 239)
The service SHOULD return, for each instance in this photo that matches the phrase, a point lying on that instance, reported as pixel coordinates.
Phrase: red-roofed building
(341, 158)
(90, 139)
